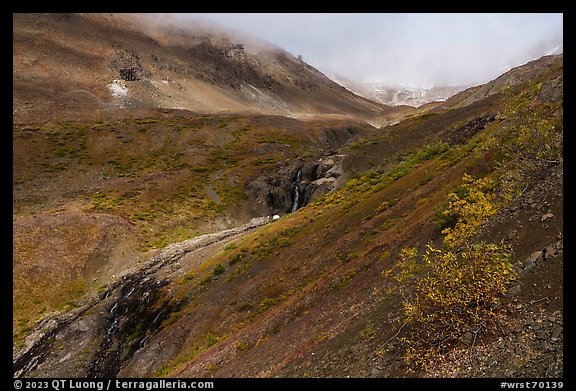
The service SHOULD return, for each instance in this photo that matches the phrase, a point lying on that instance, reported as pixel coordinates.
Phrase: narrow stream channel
(296, 192)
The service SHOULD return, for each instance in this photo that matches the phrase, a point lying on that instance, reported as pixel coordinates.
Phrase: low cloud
(419, 50)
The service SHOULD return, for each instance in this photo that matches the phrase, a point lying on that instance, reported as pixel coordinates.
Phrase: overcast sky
(418, 50)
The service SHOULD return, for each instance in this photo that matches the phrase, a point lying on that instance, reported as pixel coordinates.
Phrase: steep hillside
(531, 71)
(332, 289)
(102, 66)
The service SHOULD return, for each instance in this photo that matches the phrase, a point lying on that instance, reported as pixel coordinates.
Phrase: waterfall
(296, 201)
(296, 192)
(111, 329)
(156, 318)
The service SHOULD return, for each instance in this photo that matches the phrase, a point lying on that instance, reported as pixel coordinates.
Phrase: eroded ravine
(96, 338)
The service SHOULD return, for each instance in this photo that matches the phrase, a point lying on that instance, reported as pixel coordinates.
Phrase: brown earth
(98, 66)
(114, 277)
(137, 185)
(313, 303)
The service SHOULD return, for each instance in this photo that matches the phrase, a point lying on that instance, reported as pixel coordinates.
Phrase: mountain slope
(138, 185)
(320, 292)
(531, 71)
(97, 66)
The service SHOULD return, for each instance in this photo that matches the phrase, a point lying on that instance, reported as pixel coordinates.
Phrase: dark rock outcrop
(275, 194)
(128, 65)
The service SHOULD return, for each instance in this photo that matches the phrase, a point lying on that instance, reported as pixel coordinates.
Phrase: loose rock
(513, 291)
(556, 333)
(550, 251)
(543, 334)
(528, 265)
(535, 256)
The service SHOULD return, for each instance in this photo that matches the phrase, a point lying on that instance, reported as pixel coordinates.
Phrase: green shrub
(388, 224)
(347, 256)
(187, 277)
(385, 205)
(283, 241)
(444, 220)
(406, 268)
(242, 347)
(135, 334)
(145, 215)
(530, 135)
(230, 246)
(425, 179)
(266, 303)
(238, 257)
(104, 201)
(367, 333)
(211, 339)
(357, 144)
(344, 281)
(218, 269)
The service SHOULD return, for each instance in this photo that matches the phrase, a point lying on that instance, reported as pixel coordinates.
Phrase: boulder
(513, 291)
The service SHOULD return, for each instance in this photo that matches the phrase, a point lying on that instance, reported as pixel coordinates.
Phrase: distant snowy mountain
(394, 95)
(398, 95)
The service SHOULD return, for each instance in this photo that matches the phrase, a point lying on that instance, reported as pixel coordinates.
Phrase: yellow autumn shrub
(455, 285)
(454, 295)
(472, 209)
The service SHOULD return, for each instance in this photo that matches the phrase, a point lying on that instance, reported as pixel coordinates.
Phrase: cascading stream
(125, 316)
(296, 192)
